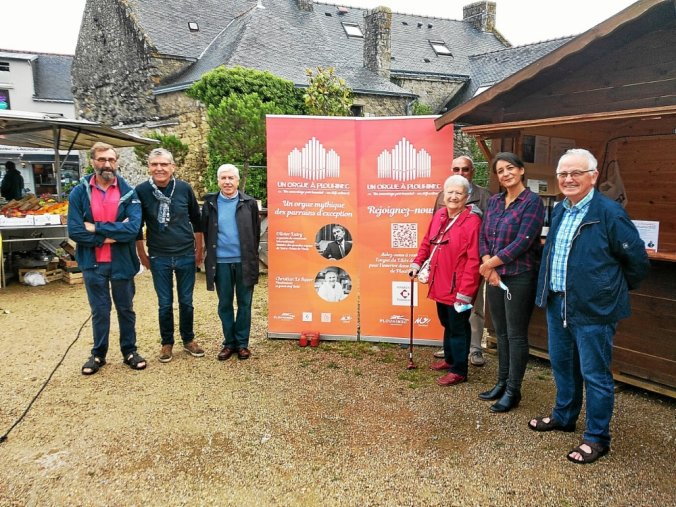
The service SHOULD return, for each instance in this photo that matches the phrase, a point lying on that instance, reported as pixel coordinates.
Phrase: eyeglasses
(163, 165)
(455, 193)
(462, 169)
(104, 160)
(573, 174)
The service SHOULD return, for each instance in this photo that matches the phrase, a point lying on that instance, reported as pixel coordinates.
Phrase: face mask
(506, 289)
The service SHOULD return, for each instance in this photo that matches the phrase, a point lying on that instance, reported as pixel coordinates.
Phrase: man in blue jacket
(104, 217)
(592, 258)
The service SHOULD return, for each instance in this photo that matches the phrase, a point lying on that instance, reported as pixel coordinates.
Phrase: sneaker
(476, 358)
(193, 349)
(439, 354)
(165, 353)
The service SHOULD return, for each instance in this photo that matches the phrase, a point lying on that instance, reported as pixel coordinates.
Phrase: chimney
(481, 15)
(305, 5)
(378, 41)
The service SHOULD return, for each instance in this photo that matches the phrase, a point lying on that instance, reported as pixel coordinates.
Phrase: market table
(38, 233)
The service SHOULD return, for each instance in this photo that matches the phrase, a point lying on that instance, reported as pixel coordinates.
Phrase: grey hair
(592, 163)
(161, 152)
(468, 158)
(456, 179)
(227, 167)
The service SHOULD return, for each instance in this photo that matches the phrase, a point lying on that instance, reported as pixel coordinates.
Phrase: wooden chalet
(611, 90)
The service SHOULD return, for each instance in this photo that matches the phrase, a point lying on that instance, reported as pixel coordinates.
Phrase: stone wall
(186, 119)
(434, 92)
(114, 70)
(382, 105)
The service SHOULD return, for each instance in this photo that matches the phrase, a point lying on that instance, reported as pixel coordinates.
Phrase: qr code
(404, 235)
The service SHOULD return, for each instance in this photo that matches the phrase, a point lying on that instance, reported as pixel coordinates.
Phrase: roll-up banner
(349, 200)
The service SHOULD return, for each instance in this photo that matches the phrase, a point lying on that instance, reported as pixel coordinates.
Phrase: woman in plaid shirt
(509, 246)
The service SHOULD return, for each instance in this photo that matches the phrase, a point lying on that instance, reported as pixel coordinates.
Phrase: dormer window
(353, 30)
(440, 48)
(193, 26)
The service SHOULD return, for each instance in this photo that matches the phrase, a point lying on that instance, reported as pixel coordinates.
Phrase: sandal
(92, 365)
(597, 451)
(552, 425)
(135, 361)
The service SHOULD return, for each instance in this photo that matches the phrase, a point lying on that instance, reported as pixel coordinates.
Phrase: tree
(421, 109)
(237, 101)
(237, 133)
(222, 82)
(169, 142)
(327, 94)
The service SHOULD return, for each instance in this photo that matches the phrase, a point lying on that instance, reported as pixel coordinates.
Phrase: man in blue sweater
(172, 218)
(232, 229)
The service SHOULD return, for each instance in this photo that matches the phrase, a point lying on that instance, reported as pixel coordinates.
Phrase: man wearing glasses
(174, 236)
(104, 217)
(478, 196)
(592, 257)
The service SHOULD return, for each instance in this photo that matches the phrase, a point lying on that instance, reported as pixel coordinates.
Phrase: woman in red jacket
(452, 242)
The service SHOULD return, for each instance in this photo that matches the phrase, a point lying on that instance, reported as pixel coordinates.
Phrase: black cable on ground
(4, 437)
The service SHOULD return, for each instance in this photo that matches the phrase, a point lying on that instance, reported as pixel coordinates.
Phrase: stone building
(135, 58)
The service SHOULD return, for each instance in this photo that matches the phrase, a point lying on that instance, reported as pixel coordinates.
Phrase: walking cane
(411, 364)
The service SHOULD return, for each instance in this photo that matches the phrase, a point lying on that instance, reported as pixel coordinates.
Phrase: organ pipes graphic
(313, 162)
(404, 162)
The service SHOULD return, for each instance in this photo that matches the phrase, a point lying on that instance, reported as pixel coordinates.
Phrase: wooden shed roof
(592, 53)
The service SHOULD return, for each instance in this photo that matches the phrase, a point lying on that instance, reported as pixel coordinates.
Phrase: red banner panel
(349, 200)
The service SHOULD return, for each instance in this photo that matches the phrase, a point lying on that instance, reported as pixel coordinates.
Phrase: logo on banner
(404, 162)
(346, 318)
(313, 162)
(401, 294)
(395, 320)
(326, 317)
(307, 316)
(285, 316)
(423, 321)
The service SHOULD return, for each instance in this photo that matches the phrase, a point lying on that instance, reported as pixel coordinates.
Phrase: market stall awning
(34, 130)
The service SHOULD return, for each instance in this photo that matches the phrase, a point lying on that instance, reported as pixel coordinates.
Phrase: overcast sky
(52, 26)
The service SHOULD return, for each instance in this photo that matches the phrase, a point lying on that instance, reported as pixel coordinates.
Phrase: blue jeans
(99, 286)
(163, 269)
(511, 318)
(457, 337)
(581, 353)
(229, 282)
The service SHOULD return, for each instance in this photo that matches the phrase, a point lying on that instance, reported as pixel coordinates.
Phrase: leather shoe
(495, 392)
(225, 354)
(440, 365)
(508, 401)
(243, 354)
(451, 379)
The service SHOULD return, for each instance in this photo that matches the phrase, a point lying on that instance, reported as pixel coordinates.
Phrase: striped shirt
(570, 222)
(513, 234)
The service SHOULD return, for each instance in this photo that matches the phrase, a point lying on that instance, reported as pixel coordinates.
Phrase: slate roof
(489, 68)
(52, 77)
(51, 73)
(285, 40)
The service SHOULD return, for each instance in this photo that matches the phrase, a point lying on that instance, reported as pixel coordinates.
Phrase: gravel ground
(344, 424)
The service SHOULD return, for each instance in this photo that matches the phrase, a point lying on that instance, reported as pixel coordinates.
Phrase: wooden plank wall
(648, 168)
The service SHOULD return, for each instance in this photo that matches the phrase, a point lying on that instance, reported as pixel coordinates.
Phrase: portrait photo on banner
(333, 284)
(333, 241)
